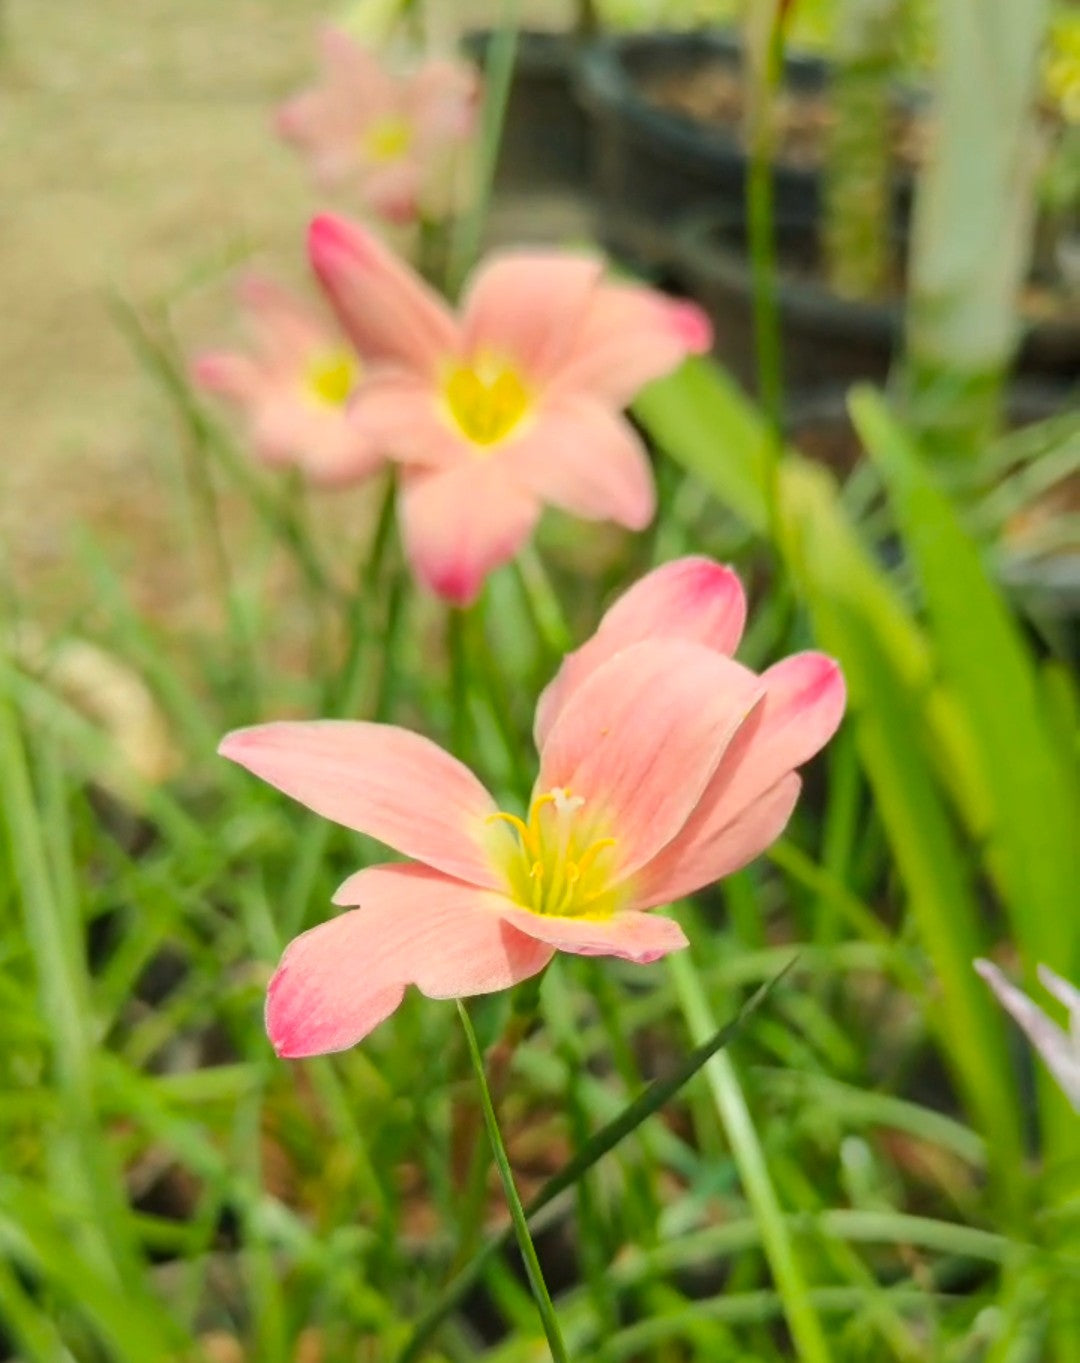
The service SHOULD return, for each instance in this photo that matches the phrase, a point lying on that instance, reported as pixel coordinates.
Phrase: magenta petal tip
(692, 326)
(333, 241)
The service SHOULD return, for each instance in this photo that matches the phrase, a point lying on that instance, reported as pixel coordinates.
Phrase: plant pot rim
(543, 50)
(699, 254)
(605, 83)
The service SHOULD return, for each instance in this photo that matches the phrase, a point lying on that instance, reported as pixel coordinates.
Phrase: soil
(715, 95)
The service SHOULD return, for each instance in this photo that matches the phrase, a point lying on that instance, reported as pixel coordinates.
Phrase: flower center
(331, 376)
(556, 865)
(486, 400)
(388, 139)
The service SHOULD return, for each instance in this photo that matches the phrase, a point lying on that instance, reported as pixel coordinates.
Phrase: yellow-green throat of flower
(556, 865)
(486, 399)
(331, 377)
(388, 139)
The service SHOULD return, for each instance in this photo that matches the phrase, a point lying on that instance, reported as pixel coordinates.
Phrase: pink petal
(587, 460)
(234, 376)
(689, 598)
(387, 310)
(630, 336)
(390, 783)
(340, 980)
(355, 72)
(640, 738)
(327, 131)
(639, 937)
(322, 441)
(459, 524)
(398, 412)
(392, 192)
(443, 98)
(685, 866)
(354, 90)
(802, 707)
(288, 332)
(524, 307)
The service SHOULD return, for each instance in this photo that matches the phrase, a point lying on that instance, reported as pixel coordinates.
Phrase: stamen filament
(551, 874)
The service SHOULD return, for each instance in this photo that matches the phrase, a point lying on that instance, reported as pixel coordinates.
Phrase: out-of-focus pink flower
(1059, 1048)
(512, 404)
(396, 136)
(294, 388)
(664, 765)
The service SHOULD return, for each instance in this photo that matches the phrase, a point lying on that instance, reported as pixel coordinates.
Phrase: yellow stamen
(519, 825)
(486, 400)
(558, 867)
(332, 376)
(388, 139)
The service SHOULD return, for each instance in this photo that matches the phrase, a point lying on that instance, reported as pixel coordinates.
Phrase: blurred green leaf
(1033, 841)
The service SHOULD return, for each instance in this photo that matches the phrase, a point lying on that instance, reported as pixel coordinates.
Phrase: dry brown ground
(135, 160)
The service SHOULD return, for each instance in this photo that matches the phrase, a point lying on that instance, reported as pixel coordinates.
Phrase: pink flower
(664, 765)
(1059, 1048)
(294, 389)
(396, 136)
(513, 404)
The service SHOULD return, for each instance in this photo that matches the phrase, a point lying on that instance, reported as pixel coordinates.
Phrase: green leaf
(701, 419)
(857, 619)
(1034, 820)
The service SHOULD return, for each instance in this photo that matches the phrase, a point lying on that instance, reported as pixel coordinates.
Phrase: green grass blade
(802, 1319)
(892, 740)
(1033, 834)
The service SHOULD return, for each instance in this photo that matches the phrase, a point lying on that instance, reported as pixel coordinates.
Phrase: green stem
(498, 73)
(344, 694)
(548, 1319)
(543, 603)
(459, 683)
(761, 232)
(498, 700)
(806, 1329)
(761, 229)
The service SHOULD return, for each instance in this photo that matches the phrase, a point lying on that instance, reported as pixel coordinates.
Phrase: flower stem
(543, 603)
(540, 1293)
(498, 73)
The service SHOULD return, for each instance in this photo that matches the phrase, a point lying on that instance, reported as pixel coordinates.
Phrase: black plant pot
(650, 164)
(827, 340)
(544, 138)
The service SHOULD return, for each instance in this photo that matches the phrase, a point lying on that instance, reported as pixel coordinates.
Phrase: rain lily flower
(512, 404)
(294, 388)
(1059, 1048)
(397, 136)
(664, 765)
